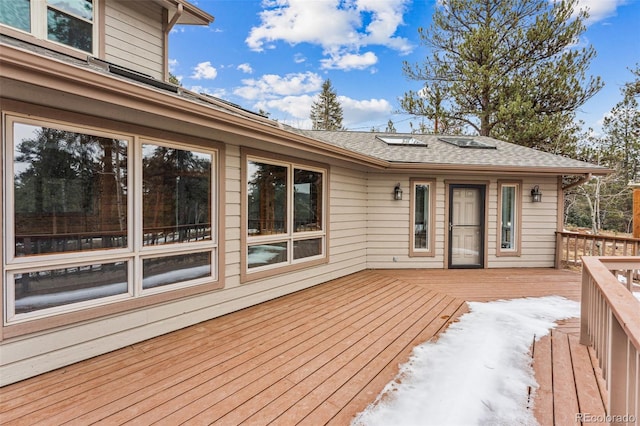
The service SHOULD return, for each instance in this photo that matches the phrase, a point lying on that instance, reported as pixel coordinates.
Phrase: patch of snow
(477, 373)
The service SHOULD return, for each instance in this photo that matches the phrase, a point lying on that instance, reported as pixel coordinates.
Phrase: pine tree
(390, 127)
(507, 69)
(326, 111)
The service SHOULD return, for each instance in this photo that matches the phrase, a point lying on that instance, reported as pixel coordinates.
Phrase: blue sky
(274, 55)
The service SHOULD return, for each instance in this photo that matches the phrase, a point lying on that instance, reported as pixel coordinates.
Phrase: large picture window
(285, 214)
(509, 225)
(67, 22)
(73, 199)
(422, 217)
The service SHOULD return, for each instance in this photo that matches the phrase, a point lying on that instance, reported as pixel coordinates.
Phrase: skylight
(467, 143)
(401, 140)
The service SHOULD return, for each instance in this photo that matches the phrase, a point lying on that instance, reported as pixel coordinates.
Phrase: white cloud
(245, 68)
(173, 63)
(296, 107)
(271, 86)
(346, 26)
(295, 110)
(204, 70)
(355, 112)
(350, 61)
(600, 9)
(218, 93)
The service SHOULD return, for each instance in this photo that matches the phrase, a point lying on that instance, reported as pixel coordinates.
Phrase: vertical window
(16, 14)
(80, 234)
(509, 219)
(422, 217)
(176, 195)
(68, 22)
(285, 210)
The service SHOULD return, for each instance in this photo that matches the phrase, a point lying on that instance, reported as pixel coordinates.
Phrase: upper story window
(94, 217)
(67, 22)
(509, 226)
(285, 210)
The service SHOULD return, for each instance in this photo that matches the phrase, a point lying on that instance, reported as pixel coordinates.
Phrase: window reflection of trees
(176, 195)
(65, 26)
(267, 189)
(307, 200)
(69, 191)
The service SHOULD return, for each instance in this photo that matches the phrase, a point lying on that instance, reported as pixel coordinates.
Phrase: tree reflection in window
(70, 191)
(16, 13)
(176, 195)
(307, 196)
(267, 189)
(71, 22)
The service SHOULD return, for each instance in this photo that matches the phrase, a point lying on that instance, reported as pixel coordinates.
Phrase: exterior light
(536, 195)
(397, 192)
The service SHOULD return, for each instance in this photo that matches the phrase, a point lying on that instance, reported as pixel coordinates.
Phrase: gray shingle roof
(439, 152)
(436, 153)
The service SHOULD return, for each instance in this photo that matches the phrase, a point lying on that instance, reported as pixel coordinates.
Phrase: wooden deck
(318, 356)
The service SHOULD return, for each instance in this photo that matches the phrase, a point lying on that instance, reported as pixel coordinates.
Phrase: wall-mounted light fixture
(536, 195)
(397, 192)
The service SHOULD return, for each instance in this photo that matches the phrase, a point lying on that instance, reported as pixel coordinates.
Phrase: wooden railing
(571, 246)
(610, 322)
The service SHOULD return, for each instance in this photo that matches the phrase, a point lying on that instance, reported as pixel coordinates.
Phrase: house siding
(134, 36)
(367, 227)
(388, 224)
(30, 355)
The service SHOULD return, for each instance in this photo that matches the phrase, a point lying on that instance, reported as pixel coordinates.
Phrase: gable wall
(134, 36)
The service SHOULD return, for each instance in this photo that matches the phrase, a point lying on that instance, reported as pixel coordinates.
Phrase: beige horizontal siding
(134, 36)
(368, 229)
(388, 224)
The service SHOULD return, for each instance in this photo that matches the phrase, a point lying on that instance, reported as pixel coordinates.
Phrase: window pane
(167, 270)
(70, 191)
(57, 287)
(307, 198)
(82, 8)
(307, 248)
(421, 215)
(267, 254)
(267, 204)
(176, 195)
(16, 13)
(69, 30)
(508, 217)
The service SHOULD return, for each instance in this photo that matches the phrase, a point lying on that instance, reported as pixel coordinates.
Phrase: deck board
(543, 369)
(565, 397)
(318, 356)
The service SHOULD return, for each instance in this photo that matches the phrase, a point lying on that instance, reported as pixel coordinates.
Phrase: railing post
(559, 244)
(585, 311)
(618, 369)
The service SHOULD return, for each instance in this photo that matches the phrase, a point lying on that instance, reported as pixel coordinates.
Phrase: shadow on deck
(318, 356)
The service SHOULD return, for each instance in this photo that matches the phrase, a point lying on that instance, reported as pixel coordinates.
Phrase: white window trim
(38, 21)
(133, 254)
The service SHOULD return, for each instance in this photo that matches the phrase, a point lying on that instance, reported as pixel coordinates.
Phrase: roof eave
(25, 66)
(191, 15)
(488, 169)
